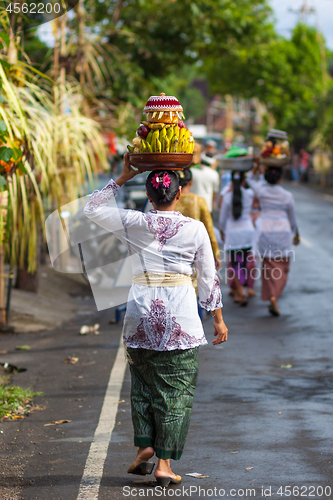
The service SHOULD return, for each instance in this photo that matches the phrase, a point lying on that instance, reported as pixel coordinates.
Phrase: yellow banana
(148, 148)
(156, 126)
(170, 133)
(142, 146)
(166, 144)
(182, 133)
(173, 144)
(155, 137)
(176, 131)
(181, 146)
(158, 146)
(149, 137)
(163, 134)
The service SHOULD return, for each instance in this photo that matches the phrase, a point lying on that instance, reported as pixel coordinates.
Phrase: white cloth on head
(277, 223)
(239, 233)
(206, 182)
(162, 318)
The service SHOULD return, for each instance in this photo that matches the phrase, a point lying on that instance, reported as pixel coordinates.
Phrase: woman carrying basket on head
(238, 232)
(162, 330)
(277, 231)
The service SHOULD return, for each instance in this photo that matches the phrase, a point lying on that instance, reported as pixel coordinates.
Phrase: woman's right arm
(106, 214)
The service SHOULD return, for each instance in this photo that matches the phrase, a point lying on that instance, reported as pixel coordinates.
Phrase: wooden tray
(274, 162)
(160, 161)
(240, 163)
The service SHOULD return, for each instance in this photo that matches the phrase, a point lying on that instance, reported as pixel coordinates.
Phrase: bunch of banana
(165, 138)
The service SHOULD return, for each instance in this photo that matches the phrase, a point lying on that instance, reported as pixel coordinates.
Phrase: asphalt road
(262, 418)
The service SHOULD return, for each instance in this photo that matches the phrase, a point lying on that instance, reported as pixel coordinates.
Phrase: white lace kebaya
(161, 318)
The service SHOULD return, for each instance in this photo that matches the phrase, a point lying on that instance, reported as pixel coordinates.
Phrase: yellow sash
(162, 280)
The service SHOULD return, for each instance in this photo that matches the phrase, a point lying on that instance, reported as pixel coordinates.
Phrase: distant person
(304, 165)
(206, 181)
(237, 231)
(210, 148)
(192, 205)
(277, 231)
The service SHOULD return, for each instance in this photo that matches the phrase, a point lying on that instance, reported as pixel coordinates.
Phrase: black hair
(273, 174)
(185, 176)
(237, 205)
(162, 196)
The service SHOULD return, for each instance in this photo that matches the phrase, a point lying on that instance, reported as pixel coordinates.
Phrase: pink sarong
(274, 276)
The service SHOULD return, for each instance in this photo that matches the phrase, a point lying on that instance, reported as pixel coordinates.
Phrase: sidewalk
(49, 323)
(59, 299)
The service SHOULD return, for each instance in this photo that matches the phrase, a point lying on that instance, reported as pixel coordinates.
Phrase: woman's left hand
(220, 332)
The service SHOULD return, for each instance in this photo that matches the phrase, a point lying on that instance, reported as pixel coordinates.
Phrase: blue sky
(286, 19)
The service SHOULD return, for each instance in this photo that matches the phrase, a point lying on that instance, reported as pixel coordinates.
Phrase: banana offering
(164, 131)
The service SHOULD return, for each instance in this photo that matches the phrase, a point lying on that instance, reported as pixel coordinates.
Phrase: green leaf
(3, 181)
(3, 126)
(22, 167)
(5, 38)
(1, 98)
(17, 153)
(5, 64)
(5, 153)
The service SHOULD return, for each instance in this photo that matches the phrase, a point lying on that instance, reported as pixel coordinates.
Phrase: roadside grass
(15, 402)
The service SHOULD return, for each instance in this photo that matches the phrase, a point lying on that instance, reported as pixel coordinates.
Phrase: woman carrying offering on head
(277, 231)
(162, 329)
(237, 231)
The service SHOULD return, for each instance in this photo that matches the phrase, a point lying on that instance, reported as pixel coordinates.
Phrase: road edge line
(94, 466)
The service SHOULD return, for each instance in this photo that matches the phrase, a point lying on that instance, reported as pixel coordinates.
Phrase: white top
(238, 233)
(162, 318)
(206, 182)
(277, 224)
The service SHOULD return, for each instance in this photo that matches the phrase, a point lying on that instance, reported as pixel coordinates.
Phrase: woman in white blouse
(237, 231)
(277, 231)
(162, 329)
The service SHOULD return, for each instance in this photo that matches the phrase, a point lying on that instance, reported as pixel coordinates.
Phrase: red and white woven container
(162, 103)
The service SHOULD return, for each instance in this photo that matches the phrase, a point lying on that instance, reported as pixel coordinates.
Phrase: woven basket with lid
(162, 103)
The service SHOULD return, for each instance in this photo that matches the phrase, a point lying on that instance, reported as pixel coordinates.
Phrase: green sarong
(163, 385)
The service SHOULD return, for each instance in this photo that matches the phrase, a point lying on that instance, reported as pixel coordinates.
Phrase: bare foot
(251, 293)
(232, 292)
(163, 469)
(273, 307)
(143, 455)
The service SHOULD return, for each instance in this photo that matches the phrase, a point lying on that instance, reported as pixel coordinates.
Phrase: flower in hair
(166, 180)
(156, 181)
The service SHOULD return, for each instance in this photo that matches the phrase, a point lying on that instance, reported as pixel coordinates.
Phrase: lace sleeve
(214, 301)
(102, 198)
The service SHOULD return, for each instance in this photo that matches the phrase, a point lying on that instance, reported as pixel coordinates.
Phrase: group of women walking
(162, 330)
(268, 239)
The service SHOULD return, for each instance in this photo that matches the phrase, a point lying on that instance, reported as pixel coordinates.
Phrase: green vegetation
(15, 402)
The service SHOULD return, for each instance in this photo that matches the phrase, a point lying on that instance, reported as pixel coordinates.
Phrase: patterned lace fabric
(163, 228)
(159, 330)
(102, 197)
(215, 299)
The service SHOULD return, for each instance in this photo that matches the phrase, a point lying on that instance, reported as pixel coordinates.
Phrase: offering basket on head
(276, 151)
(163, 142)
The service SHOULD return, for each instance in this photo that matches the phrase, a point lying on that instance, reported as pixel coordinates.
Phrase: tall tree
(289, 76)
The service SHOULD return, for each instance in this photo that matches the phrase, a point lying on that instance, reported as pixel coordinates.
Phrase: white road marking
(306, 242)
(93, 471)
